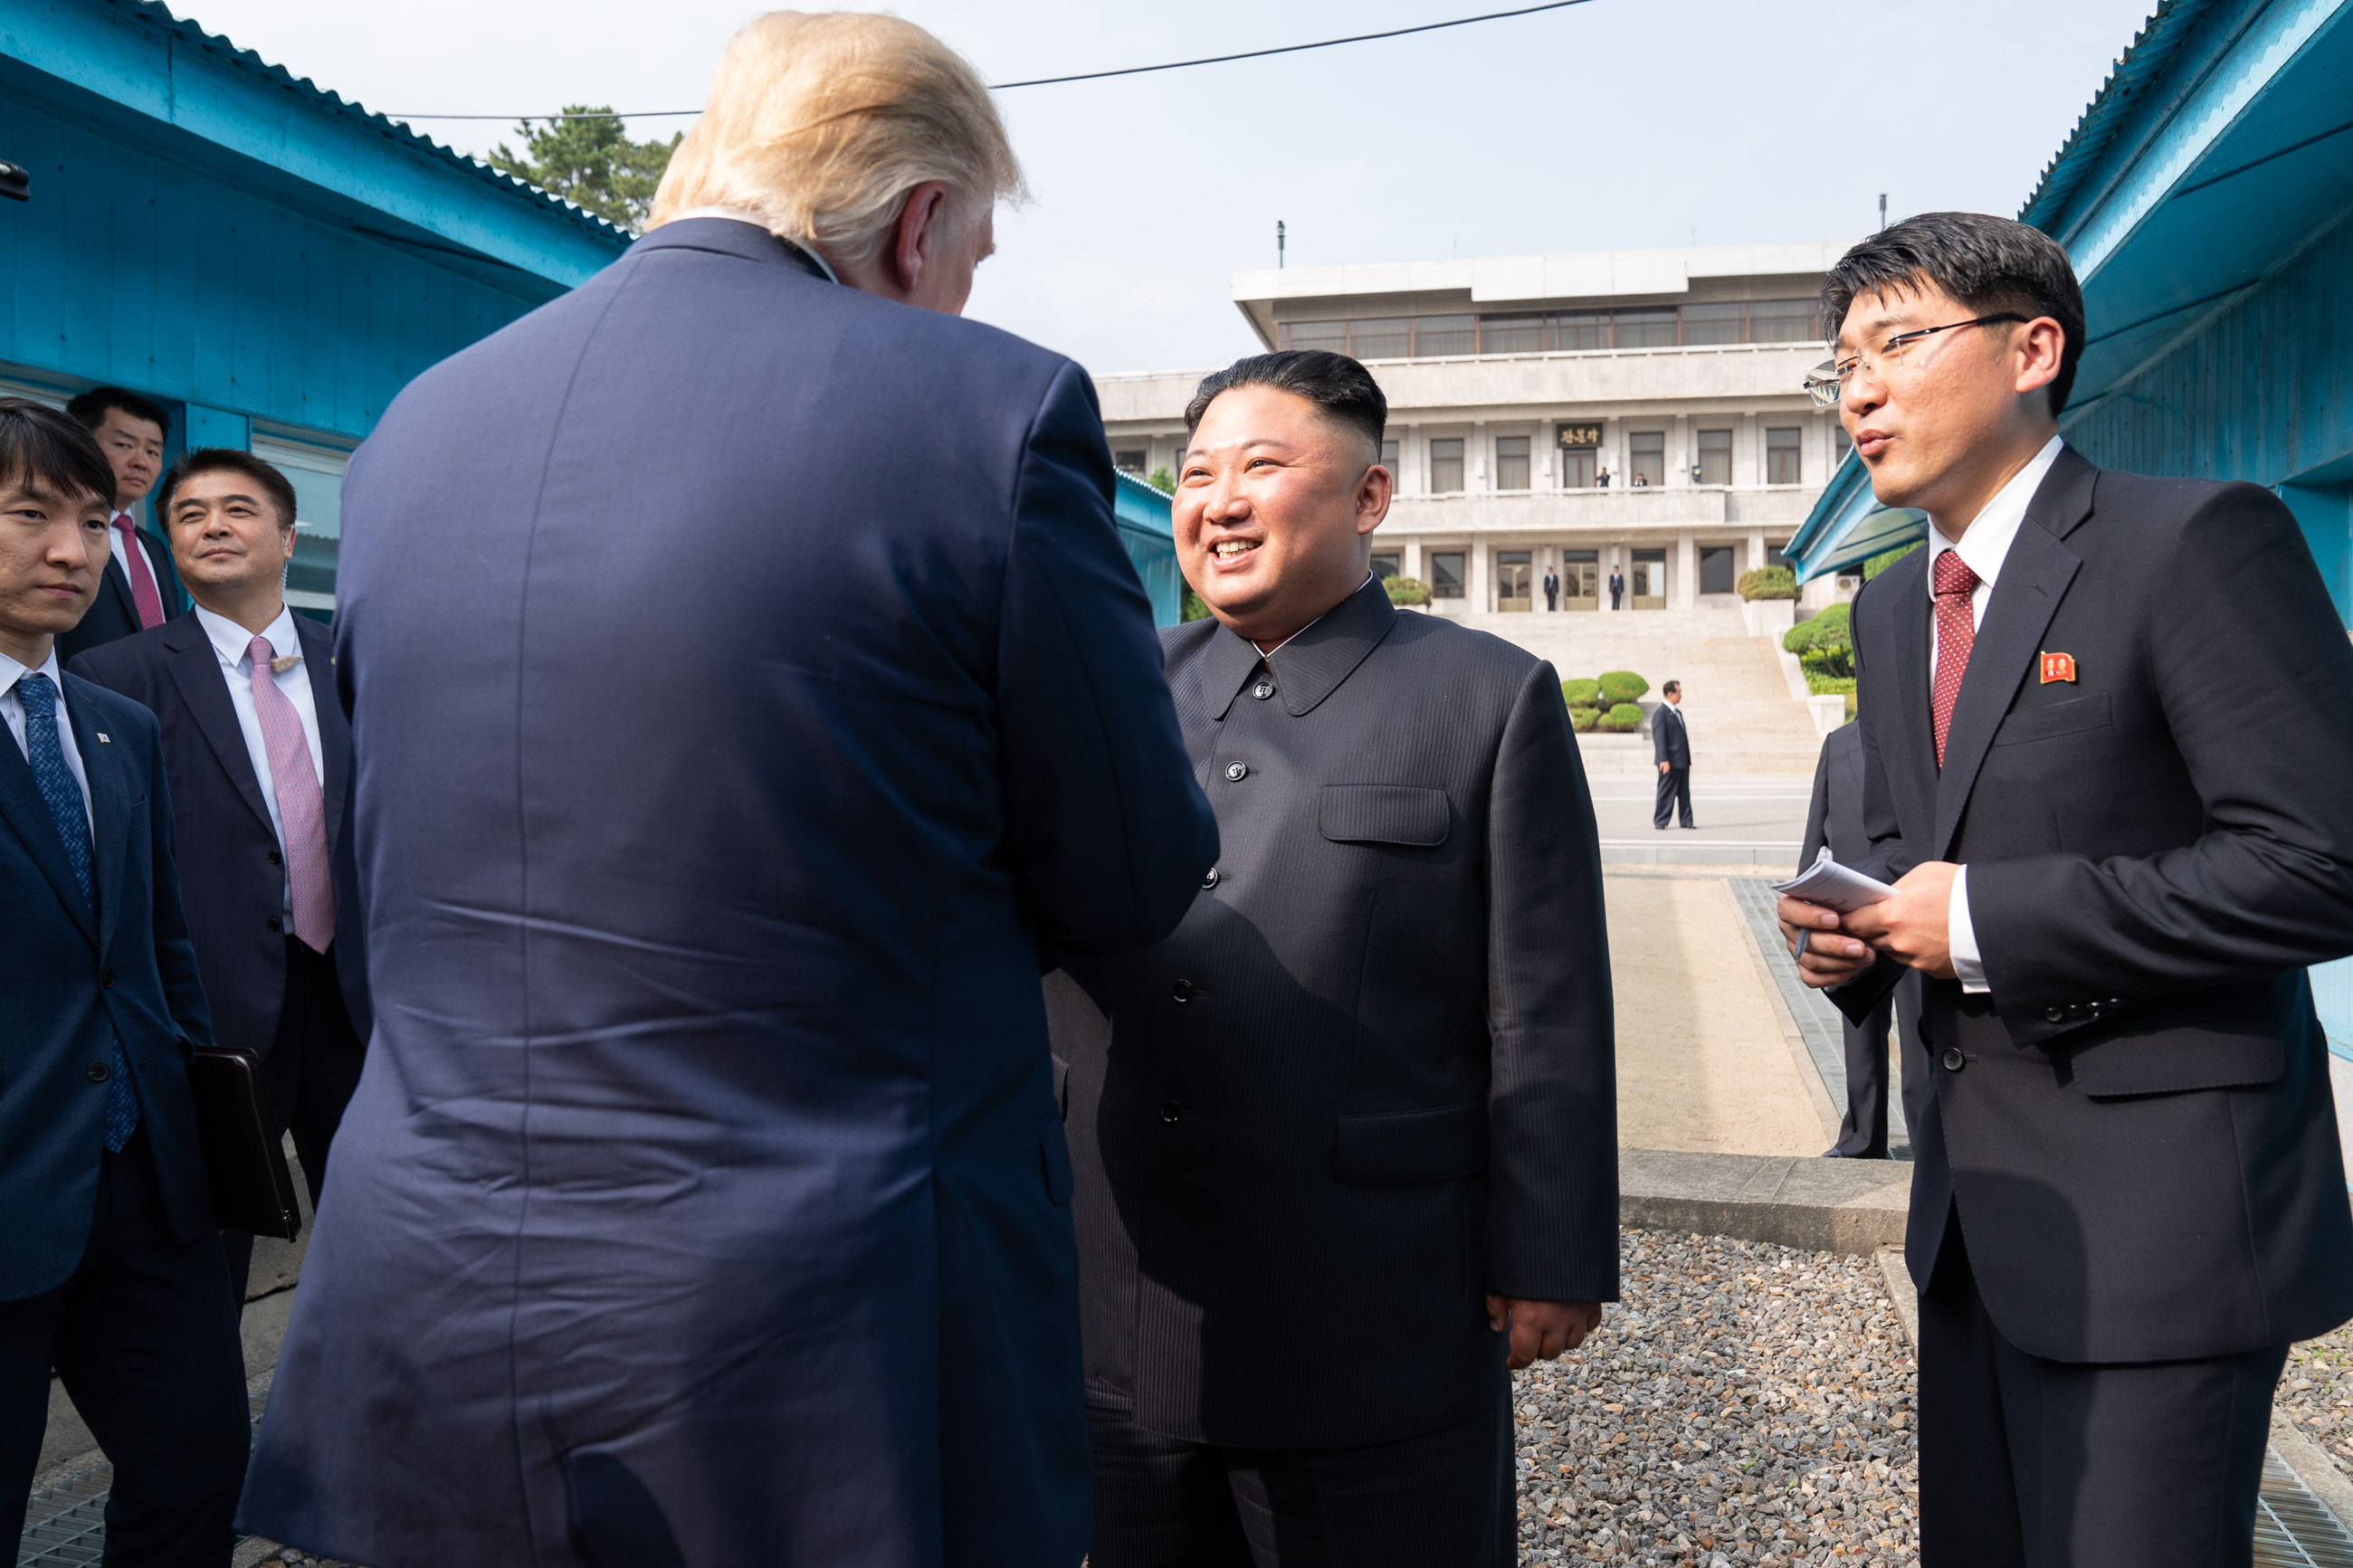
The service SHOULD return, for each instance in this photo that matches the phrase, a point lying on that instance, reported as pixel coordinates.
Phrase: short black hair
(1335, 383)
(41, 447)
(91, 407)
(1986, 264)
(225, 460)
(1671, 688)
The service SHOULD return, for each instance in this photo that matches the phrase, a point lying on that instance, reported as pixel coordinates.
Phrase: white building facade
(1641, 412)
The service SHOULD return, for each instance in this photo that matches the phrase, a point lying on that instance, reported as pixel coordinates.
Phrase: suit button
(1262, 690)
(106, 979)
(1171, 1112)
(2077, 1010)
(1210, 877)
(2055, 1015)
(95, 1073)
(1953, 1059)
(1237, 771)
(276, 924)
(276, 859)
(2115, 1003)
(1182, 991)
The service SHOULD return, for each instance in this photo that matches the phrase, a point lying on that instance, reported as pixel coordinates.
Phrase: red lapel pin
(2058, 666)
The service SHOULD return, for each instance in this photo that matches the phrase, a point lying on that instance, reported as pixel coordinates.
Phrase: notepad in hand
(1835, 887)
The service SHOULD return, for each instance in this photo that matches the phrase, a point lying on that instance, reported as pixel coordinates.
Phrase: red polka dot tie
(1956, 628)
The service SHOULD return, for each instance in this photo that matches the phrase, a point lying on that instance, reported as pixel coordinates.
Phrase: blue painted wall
(161, 267)
(1147, 530)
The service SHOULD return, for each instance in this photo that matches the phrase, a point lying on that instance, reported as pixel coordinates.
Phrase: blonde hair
(822, 121)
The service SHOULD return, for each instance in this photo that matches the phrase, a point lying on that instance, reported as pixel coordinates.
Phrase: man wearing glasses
(2128, 1198)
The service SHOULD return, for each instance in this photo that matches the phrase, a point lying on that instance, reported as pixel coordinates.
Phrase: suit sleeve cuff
(1962, 937)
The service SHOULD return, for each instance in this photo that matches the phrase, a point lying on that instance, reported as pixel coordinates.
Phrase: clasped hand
(1912, 926)
(1542, 1329)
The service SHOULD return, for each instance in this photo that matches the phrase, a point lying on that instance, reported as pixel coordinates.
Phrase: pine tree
(591, 161)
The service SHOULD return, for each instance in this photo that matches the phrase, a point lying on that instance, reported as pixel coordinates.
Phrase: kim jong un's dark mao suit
(1366, 1082)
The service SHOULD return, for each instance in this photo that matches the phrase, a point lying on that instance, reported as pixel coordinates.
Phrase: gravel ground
(2315, 1393)
(1747, 1404)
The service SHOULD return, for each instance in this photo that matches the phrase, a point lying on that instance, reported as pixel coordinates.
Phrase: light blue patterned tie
(63, 797)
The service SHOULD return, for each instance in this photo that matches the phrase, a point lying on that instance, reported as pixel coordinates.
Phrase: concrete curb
(2312, 1466)
(1850, 1206)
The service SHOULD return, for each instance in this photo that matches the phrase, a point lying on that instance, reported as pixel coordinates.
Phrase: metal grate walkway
(65, 1525)
(2292, 1527)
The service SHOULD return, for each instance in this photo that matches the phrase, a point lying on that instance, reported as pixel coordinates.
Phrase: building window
(1646, 330)
(1646, 453)
(1773, 557)
(1511, 462)
(1128, 462)
(1713, 323)
(1581, 452)
(1781, 463)
(1434, 336)
(1782, 322)
(1576, 330)
(1388, 337)
(1385, 567)
(1445, 574)
(1648, 589)
(1390, 461)
(1446, 467)
(1715, 569)
(1715, 456)
(1510, 334)
(316, 472)
(1841, 442)
(1329, 336)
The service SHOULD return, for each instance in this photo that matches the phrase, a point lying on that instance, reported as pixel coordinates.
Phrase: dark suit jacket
(2139, 1135)
(114, 612)
(1670, 741)
(73, 984)
(232, 877)
(1369, 1079)
(746, 682)
(1834, 817)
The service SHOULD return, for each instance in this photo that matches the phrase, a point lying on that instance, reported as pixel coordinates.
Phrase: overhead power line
(1081, 76)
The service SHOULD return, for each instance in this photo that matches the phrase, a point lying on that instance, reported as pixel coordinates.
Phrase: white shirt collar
(12, 672)
(1986, 543)
(230, 640)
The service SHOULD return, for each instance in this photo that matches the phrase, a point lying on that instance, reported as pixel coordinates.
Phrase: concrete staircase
(1737, 701)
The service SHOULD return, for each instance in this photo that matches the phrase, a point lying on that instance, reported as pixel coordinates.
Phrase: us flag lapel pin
(2058, 666)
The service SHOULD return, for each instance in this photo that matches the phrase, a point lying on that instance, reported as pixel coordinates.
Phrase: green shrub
(1621, 686)
(1829, 623)
(1161, 479)
(1407, 590)
(1768, 583)
(1583, 719)
(1580, 693)
(1190, 607)
(1882, 562)
(1625, 716)
(1829, 685)
(1833, 657)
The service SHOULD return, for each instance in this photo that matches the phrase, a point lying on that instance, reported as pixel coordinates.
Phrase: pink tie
(302, 810)
(142, 576)
(1956, 629)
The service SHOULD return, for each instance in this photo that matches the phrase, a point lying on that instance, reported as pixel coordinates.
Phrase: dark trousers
(143, 1336)
(313, 1067)
(1863, 1134)
(1675, 789)
(1552, 598)
(2046, 1464)
(1450, 1498)
(1614, 594)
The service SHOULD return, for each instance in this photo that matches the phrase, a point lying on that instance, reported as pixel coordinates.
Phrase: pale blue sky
(1615, 123)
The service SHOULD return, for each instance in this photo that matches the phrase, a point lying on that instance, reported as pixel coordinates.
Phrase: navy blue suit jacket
(746, 683)
(232, 878)
(73, 984)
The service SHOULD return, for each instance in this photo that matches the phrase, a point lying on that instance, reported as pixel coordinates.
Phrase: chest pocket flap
(1383, 813)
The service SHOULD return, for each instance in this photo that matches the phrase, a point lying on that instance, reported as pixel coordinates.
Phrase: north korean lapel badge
(2058, 666)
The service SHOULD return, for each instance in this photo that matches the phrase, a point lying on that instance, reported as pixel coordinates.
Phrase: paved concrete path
(1704, 1061)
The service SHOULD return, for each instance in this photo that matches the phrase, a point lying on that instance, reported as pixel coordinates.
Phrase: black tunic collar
(1311, 666)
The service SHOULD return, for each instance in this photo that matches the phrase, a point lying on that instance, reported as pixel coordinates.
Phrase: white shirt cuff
(1962, 938)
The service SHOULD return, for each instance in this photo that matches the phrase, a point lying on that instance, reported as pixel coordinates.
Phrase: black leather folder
(252, 1189)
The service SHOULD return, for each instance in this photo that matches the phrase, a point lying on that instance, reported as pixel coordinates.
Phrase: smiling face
(134, 446)
(227, 539)
(1953, 416)
(1275, 508)
(53, 549)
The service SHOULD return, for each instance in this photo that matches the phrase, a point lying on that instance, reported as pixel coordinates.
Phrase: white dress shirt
(1982, 549)
(12, 709)
(229, 642)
